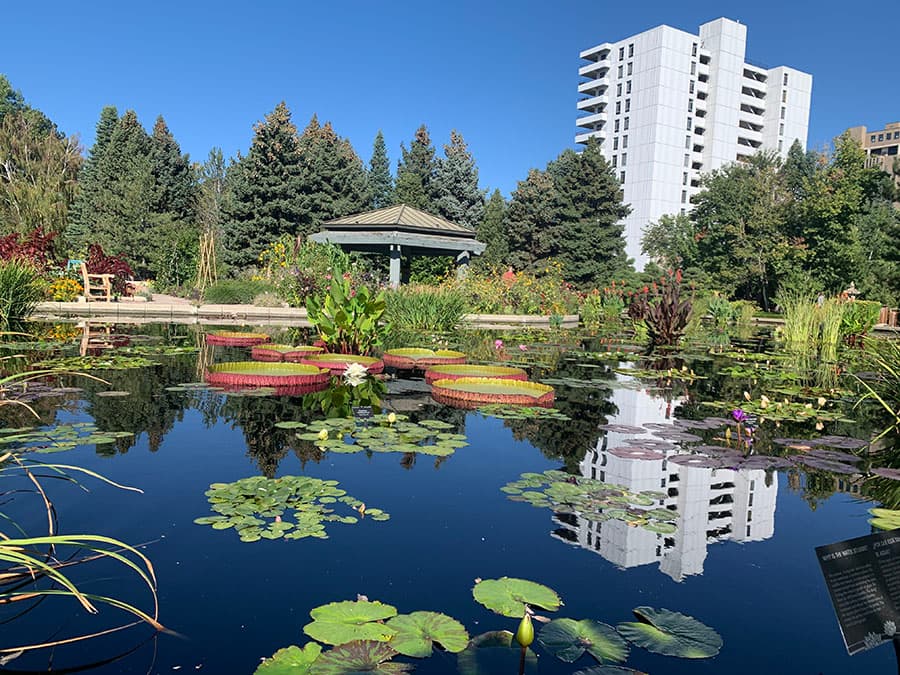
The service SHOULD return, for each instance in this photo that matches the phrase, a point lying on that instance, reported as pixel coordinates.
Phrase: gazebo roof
(400, 217)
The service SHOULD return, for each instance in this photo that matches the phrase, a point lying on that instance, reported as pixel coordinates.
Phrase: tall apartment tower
(667, 105)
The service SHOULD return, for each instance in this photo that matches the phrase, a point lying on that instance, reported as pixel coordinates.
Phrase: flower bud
(525, 633)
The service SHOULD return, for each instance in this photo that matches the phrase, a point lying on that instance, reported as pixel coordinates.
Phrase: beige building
(882, 147)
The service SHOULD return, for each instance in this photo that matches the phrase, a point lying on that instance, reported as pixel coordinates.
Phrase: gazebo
(400, 230)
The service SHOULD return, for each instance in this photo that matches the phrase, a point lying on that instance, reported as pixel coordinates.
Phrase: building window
(783, 112)
(690, 105)
(780, 145)
(689, 123)
(630, 50)
(896, 135)
(694, 49)
(615, 142)
(621, 176)
(781, 130)
(785, 79)
(620, 71)
(624, 158)
(687, 142)
(748, 527)
(684, 178)
(615, 161)
(872, 138)
(692, 87)
(682, 210)
(630, 66)
(621, 53)
(625, 126)
(627, 105)
(619, 89)
(693, 67)
(618, 107)
(880, 137)
(628, 87)
(616, 127)
(624, 141)
(753, 482)
(784, 95)
(687, 160)
(684, 196)
(750, 503)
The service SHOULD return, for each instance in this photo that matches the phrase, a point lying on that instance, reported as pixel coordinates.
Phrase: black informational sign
(863, 578)
(362, 412)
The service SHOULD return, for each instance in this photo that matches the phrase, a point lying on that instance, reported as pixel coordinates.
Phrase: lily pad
(494, 652)
(568, 639)
(291, 660)
(609, 670)
(663, 631)
(508, 596)
(416, 632)
(353, 611)
(360, 656)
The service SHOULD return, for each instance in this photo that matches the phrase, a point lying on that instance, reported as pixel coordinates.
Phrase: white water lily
(355, 374)
(890, 628)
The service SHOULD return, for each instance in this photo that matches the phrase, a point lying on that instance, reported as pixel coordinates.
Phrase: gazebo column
(462, 264)
(394, 275)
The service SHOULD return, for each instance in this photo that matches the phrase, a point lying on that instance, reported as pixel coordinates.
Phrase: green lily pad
(508, 596)
(416, 632)
(337, 633)
(360, 656)
(609, 670)
(671, 633)
(290, 660)
(568, 639)
(494, 652)
(353, 611)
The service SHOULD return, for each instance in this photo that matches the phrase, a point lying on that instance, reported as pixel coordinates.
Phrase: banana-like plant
(348, 320)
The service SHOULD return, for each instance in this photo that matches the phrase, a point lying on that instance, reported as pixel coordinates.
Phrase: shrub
(347, 318)
(424, 308)
(603, 306)
(661, 307)
(36, 248)
(99, 263)
(21, 289)
(236, 291)
(267, 299)
(858, 319)
(546, 293)
(64, 289)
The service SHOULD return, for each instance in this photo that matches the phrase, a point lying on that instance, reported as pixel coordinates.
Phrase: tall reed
(21, 289)
(425, 308)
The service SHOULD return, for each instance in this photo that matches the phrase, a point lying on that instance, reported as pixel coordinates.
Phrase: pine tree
(267, 191)
(530, 222)
(416, 172)
(173, 177)
(82, 216)
(381, 184)
(333, 179)
(492, 232)
(12, 101)
(458, 198)
(798, 169)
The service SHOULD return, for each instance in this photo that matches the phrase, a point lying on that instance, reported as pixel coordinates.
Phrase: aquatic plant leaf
(609, 670)
(290, 660)
(494, 652)
(663, 631)
(353, 611)
(338, 633)
(568, 639)
(508, 596)
(359, 656)
(416, 632)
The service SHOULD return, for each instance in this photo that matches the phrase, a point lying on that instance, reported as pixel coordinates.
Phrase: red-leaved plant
(35, 248)
(99, 263)
(662, 308)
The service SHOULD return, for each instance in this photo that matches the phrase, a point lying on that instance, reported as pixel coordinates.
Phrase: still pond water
(742, 559)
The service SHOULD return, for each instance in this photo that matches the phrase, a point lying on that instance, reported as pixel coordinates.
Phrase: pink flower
(523, 348)
(498, 344)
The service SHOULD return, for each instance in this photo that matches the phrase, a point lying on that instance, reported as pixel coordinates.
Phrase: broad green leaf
(337, 633)
(671, 633)
(508, 596)
(353, 611)
(416, 632)
(359, 656)
(290, 660)
(569, 639)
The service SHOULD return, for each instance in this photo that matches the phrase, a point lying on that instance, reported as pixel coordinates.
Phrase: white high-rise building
(668, 105)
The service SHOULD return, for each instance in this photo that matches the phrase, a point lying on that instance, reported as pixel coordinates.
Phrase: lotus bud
(525, 633)
(819, 426)
(323, 435)
(764, 398)
(391, 418)
(747, 395)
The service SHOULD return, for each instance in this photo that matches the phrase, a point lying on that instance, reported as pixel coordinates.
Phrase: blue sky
(503, 74)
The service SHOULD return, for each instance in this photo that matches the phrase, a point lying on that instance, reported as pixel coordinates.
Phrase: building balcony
(594, 122)
(594, 104)
(594, 70)
(594, 87)
(745, 141)
(759, 76)
(583, 138)
(598, 53)
(752, 106)
(754, 92)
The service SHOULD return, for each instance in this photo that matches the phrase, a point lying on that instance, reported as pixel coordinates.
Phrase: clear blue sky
(503, 73)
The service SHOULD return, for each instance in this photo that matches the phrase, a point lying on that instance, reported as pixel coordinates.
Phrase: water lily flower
(739, 415)
(391, 418)
(808, 406)
(523, 348)
(747, 395)
(821, 401)
(819, 426)
(498, 344)
(355, 374)
(323, 435)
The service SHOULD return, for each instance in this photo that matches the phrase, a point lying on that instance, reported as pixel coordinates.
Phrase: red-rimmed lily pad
(454, 372)
(230, 338)
(420, 358)
(338, 363)
(475, 391)
(261, 374)
(273, 352)
(663, 631)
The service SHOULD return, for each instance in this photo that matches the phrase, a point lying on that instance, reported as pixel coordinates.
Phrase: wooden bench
(96, 286)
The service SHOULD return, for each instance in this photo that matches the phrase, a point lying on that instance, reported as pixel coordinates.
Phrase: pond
(738, 555)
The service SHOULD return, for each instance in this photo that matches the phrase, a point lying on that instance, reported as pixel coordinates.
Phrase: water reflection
(713, 505)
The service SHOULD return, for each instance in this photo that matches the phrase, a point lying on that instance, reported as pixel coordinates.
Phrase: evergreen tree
(332, 179)
(173, 176)
(267, 191)
(458, 198)
(531, 223)
(381, 184)
(798, 169)
(492, 232)
(12, 101)
(83, 212)
(416, 172)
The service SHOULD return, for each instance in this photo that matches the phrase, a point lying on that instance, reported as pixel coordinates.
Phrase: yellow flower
(323, 435)
(391, 418)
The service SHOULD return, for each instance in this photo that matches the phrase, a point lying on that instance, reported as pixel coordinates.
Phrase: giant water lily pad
(416, 632)
(359, 656)
(508, 596)
(568, 639)
(471, 392)
(291, 660)
(671, 633)
(255, 507)
(340, 622)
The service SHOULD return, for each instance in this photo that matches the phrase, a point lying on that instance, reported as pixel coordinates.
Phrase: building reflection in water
(714, 505)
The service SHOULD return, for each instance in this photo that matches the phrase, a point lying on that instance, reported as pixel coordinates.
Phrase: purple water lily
(739, 415)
